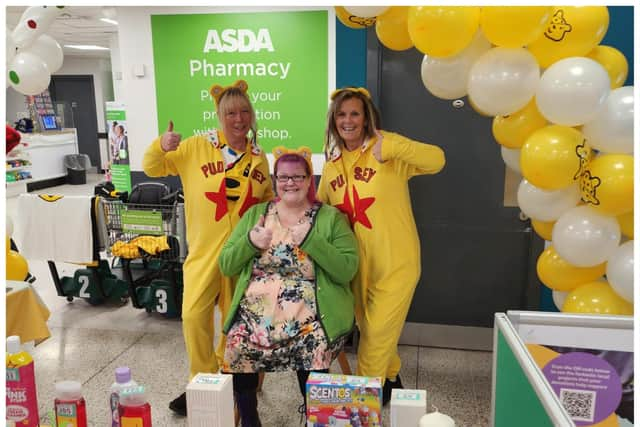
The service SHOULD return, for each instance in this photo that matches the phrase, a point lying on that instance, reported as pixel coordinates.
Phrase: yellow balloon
(8, 244)
(554, 157)
(514, 26)
(607, 184)
(596, 298)
(392, 30)
(353, 21)
(543, 229)
(513, 130)
(626, 224)
(559, 275)
(17, 267)
(442, 31)
(572, 31)
(613, 61)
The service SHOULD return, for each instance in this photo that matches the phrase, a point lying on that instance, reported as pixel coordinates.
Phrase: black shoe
(179, 405)
(387, 387)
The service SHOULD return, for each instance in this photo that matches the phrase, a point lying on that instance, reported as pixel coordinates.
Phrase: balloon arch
(565, 124)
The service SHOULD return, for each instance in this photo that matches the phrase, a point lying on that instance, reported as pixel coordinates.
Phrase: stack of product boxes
(343, 401)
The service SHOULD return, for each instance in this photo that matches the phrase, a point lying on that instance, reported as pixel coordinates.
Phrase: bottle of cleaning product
(133, 408)
(123, 380)
(70, 407)
(22, 400)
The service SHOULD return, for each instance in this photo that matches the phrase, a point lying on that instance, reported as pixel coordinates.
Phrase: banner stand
(522, 395)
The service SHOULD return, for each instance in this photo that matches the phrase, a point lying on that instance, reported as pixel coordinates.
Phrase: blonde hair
(371, 117)
(233, 98)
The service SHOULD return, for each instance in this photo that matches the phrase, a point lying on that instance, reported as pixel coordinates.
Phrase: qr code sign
(579, 404)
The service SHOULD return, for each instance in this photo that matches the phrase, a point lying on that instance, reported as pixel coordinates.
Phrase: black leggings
(247, 382)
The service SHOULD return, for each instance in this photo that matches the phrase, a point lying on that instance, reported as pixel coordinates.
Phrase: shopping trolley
(150, 241)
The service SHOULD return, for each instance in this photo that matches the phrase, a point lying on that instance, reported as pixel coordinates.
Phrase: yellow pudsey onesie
(217, 193)
(376, 198)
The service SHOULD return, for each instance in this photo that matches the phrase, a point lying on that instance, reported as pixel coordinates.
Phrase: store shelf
(19, 168)
(20, 181)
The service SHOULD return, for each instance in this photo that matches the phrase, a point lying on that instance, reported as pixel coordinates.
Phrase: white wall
(100, 69)
(135, 48)
(16, 104)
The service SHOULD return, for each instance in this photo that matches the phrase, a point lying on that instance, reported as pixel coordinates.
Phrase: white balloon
(11, 47)
(366, 11)
(612, 129)
(28, 74)
(48, 50)
(558, 298)
(35, 21)
(503, 80)
(511, 157)
(572, 91)
(585, 238)
(546, 205)
(447, 78)
(620, 270)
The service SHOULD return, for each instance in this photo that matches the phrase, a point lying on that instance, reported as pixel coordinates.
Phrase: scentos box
(343, 401)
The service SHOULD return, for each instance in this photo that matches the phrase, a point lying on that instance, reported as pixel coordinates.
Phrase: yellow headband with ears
(361, 90)
(217, 91)
(304, 152)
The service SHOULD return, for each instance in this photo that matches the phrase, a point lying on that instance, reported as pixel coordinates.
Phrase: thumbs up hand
(170, 140)
(260, 236)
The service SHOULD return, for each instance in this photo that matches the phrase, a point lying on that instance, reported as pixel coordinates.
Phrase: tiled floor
(89, 342)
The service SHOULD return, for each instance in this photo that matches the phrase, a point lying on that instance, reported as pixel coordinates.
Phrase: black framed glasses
(285, 178)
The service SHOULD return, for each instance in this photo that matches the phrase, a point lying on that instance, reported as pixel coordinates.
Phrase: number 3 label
(161, 295)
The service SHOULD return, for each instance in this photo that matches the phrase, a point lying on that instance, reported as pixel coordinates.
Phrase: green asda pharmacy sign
(283, 56)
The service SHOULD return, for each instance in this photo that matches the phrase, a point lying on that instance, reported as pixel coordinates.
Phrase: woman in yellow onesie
(366, 176)
(223, 174)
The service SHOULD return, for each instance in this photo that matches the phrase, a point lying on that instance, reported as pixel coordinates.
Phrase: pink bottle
(22, 401)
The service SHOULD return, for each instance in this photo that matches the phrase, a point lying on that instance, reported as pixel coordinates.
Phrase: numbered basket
(155, 279)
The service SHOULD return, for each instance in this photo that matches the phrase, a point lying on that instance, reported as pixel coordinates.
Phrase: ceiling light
(110, 21)
(85, 47)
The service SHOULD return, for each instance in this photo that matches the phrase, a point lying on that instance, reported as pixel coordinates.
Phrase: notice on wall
(283, 56)
(119, 168)
(595, 387)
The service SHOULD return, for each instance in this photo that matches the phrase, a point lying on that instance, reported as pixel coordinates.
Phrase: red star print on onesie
(248, 201)
(357, 213)
(220, 199)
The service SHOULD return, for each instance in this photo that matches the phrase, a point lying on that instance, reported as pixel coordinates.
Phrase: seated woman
(292, 307)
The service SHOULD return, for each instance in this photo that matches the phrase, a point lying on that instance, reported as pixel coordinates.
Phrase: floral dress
(276, 326)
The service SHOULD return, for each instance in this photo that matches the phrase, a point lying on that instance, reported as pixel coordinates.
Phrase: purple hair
(293, 158)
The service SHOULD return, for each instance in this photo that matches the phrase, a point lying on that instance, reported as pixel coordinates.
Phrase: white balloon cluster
(33, 56)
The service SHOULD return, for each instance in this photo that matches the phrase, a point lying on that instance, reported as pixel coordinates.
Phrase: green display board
(283, 56)
(516, 402)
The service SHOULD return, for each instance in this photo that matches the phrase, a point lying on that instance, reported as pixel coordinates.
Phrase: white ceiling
(76, 25)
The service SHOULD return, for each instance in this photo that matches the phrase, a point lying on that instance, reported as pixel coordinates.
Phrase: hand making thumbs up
(170, 140)
(260, 236)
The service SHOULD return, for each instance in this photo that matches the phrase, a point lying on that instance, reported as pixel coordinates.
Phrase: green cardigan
(331, 245)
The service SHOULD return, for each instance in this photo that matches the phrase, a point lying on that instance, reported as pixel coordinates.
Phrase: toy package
(343, 401)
